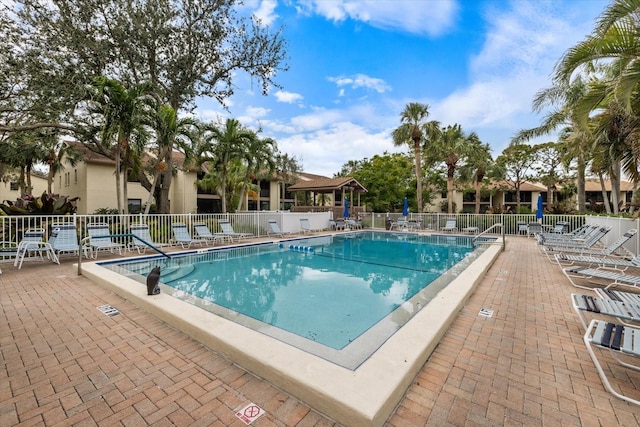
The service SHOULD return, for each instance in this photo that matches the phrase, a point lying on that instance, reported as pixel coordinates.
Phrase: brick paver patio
(63, 362)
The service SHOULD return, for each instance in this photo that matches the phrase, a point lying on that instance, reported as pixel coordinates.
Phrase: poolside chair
(450, 226)
(522, 227)
(352, 224)
(579, 235)
(182, 236)
(587, 248)
(227, 231)
(202, 232)
(620, 341)
(64, 240)
(100, 240)
(631, 297)
(274, 229)
(533, 229)
(33, 245)
(305, 227)
(599, 278)
(141, 239)
(616, 263)
(625, 312)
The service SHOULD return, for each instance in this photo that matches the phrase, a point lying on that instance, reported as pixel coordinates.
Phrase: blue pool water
(328, 290)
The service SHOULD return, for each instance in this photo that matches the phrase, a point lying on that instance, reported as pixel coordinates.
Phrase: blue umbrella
(346, 207)
(405, 207)
(539, 212)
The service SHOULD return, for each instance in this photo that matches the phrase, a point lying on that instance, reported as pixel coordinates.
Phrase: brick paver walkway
(63, 362)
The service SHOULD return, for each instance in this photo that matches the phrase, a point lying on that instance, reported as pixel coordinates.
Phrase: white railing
(256, 223)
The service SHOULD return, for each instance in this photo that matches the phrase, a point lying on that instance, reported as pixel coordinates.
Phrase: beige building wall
(184, 194)
(38, 183)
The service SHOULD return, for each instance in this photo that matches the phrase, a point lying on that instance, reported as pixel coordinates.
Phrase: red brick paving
(63, 362)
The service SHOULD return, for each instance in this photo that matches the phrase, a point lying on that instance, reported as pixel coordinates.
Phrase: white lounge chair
(620, 341)
(227, 231)
(599, 278)
(33, 245)
(588, 250)
(202, 232)
(142, 239)
(274, 229)
(305, 227)
(616, 263)
(182, 236)
(450, 226)
(64, 239)
(624, 311)
(100, 239)
(533, 229)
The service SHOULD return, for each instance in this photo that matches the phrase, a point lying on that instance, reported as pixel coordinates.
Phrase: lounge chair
(631, 297)
(227, 231)
(100, 240)
(64, 239)
(142, 239)
(623, 311)
(32, 244)
(587, 247)
(305, 227)
(533, 229)
(182, 236)
(616, 263)
(352, 224)
(522, 227)
(274, 229)
(202, 232)
(606, 278)
(450, 226)
(618, 340)
(579, 235)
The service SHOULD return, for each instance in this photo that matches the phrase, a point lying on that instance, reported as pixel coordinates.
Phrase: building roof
(593, 184)
(324, 184)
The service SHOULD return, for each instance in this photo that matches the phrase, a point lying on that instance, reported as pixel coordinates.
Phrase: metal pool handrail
(494, 226)
(86, 239)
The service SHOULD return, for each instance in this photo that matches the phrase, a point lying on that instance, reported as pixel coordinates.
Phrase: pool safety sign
(249, 413)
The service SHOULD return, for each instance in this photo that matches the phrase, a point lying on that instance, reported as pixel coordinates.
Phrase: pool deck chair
(305, 227)
(202, 232)
(141, 245)
(624, 311)
(620, 341)
(577, 235)
(182, 237)
(352, 224)
(614, 249)
(616, 263)
(522, 227)
(100, 240)
(229, 232)
(274, 229)
(64, 240)
(450, 226)
(33, 245)
(533, 229)
(599, 277)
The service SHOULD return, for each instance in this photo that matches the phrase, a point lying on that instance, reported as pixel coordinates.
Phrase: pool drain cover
(486, 312)
(108, 310)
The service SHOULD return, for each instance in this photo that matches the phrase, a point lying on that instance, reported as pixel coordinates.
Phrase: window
(134, 205)
(75, 176)
(14, 186)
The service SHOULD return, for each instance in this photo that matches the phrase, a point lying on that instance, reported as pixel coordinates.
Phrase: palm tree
(260, 162)
(479, 162)
(221, 146)
(122, 110)
(415, 131)
(287, 168)
(452, 147)
(171, 132)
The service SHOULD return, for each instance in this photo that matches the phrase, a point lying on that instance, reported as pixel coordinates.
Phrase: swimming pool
(362, 396)
(338, 297)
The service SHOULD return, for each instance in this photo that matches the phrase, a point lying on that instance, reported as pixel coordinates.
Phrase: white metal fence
(13, 227)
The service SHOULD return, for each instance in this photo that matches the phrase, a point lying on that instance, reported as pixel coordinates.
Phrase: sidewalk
(63, 362)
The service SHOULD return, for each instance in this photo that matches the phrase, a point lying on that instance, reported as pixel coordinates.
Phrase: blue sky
(354, 66)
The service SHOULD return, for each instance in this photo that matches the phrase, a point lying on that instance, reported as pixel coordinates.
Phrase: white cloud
(264, 10)
(417, 17)
(361, 80)
(325, 150)
(287, 97)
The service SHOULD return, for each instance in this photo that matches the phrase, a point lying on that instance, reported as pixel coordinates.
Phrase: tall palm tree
(415, 131)
(222, 145)
(260, 162)
(287, 168)
(479, 162)
(171, 132)
(122, 110)
(453, 146)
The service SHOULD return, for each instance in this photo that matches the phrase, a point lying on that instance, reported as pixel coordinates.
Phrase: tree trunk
(582, 198)
(416, 153)
(605, 197)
